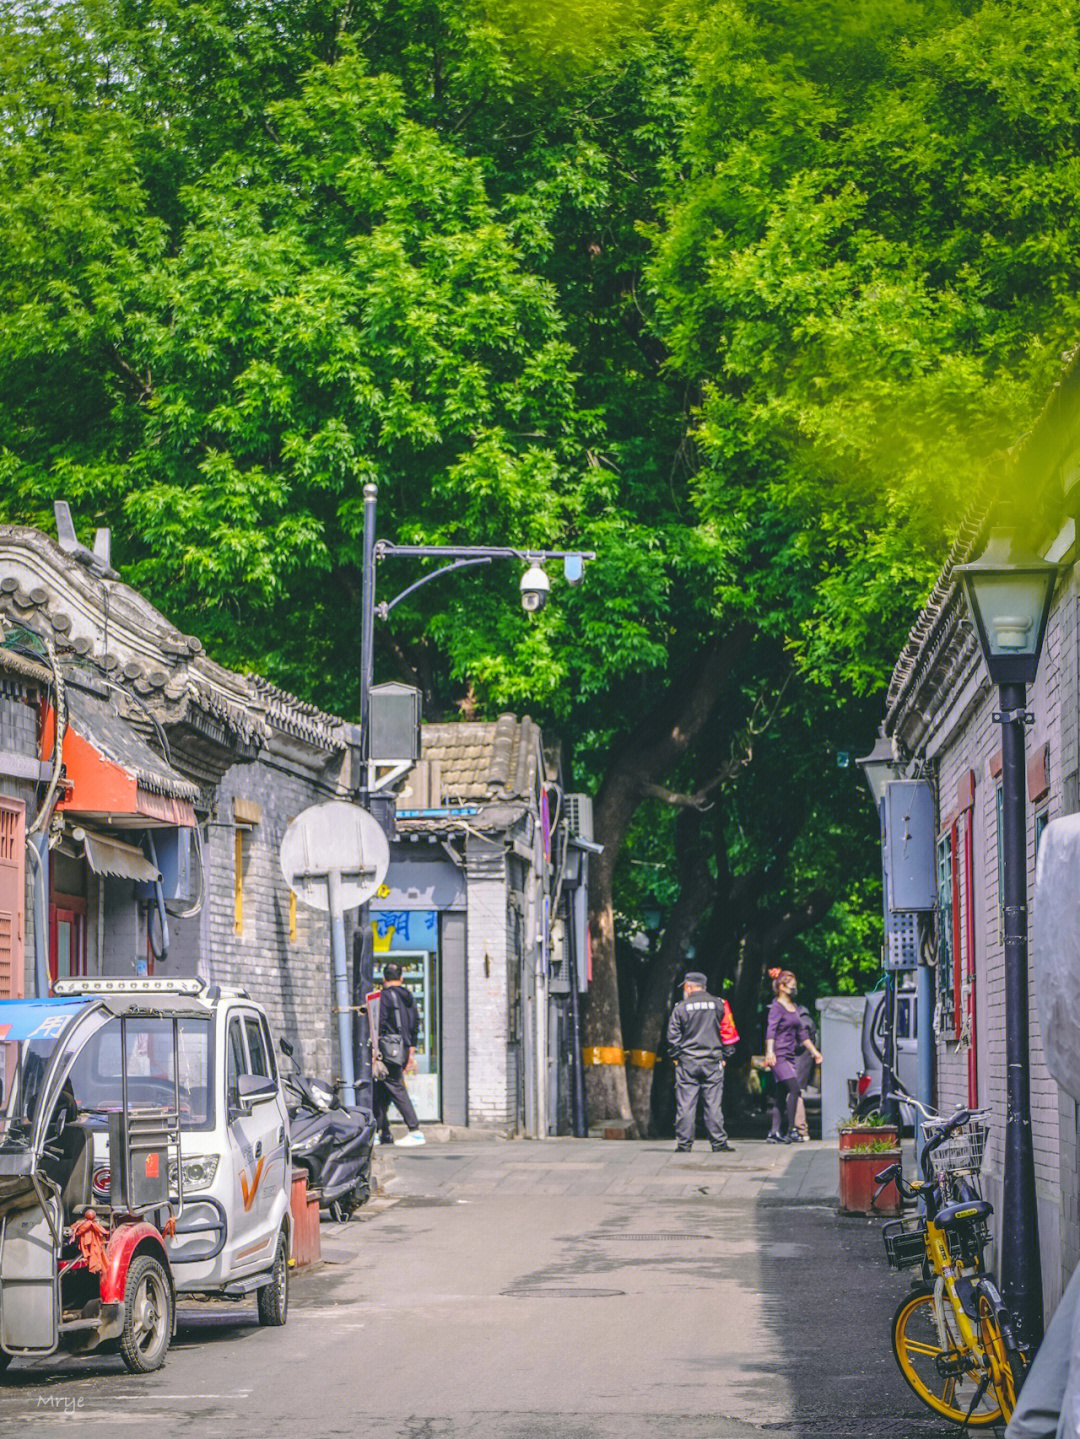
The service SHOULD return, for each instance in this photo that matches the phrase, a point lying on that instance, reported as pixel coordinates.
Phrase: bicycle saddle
(963, 1212)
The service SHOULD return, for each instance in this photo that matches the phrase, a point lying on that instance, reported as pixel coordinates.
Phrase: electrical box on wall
(395, 723)
(901, 941)
(910, 824)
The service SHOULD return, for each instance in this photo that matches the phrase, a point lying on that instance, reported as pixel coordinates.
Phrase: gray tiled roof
(94, 717)
(484, 761)
(18, 664)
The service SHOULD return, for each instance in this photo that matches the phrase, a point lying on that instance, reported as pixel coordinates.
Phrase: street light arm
(385, 549)
(384, 609)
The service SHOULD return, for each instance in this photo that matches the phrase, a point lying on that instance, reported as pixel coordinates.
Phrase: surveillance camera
(534, 589)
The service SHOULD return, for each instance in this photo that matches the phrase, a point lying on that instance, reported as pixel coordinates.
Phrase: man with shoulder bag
(395, 1056)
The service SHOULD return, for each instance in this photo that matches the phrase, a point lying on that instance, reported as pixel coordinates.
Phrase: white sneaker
(414, 1136)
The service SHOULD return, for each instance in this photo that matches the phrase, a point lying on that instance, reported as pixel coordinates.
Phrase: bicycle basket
(962, 1152)
(905, 1242)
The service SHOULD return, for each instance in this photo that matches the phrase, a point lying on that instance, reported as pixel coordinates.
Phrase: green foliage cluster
(742, 295)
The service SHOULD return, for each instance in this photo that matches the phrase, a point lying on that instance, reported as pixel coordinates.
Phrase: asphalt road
(542, 1291)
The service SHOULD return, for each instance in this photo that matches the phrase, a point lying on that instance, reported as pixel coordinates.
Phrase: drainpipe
(37, 846)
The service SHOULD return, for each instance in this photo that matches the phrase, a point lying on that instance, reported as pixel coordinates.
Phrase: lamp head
(879, 766)
(1009, 591)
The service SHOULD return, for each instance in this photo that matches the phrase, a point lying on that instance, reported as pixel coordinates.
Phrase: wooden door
(12, 896)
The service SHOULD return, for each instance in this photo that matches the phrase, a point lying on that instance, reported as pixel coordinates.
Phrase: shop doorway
(419, 972)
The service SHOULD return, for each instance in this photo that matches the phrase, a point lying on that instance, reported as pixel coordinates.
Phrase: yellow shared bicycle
(953, 1337)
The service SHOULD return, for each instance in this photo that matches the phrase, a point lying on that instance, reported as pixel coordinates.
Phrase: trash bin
(840, 1025)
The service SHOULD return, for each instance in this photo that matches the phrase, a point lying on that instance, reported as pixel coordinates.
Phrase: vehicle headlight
(199, 1171)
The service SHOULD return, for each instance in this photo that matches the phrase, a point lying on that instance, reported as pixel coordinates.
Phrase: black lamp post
(1009, 592)
(879, 767)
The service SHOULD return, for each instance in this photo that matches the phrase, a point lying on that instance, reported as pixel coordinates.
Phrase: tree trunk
(644, 758)
(695, 892)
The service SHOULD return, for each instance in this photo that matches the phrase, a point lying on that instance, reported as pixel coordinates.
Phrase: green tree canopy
(742, 295)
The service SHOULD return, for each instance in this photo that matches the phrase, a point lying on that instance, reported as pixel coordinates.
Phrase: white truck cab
(233, 1227)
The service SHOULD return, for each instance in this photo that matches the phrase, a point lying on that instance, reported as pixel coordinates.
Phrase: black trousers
(783, 1101)
(391, 1090)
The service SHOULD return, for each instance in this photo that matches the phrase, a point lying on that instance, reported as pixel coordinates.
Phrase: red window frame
(67, 909)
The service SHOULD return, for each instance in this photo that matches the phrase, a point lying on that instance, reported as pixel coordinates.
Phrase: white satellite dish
(334, 839)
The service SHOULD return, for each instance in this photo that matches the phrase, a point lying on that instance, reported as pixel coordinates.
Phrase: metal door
(267, 1127)
(247, 1244)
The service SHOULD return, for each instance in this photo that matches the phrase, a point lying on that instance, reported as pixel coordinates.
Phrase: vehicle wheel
(148, 1315)
(917, 1345)
(5, 1360)
(1006, 1365)
(273, 1298)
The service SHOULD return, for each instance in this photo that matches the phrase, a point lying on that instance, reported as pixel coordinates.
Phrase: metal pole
(577, 1068)
(365, 979)
(925, 1020)
(890, 1109)
(367, 633)
(1021, 1270)
(339, 970)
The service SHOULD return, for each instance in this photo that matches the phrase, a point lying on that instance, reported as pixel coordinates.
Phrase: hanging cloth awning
(106, 855)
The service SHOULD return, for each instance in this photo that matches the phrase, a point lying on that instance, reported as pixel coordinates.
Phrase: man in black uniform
(695, 1041)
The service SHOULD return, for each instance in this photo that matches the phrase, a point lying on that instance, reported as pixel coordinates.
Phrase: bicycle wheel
(1006, 1365)
(946, 1379)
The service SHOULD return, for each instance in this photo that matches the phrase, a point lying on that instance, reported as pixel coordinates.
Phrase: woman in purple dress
(785, 1035)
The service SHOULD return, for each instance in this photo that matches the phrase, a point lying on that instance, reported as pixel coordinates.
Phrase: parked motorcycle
(332, 1141)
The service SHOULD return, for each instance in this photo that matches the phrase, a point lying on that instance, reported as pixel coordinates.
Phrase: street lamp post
(534, 588)
(1009, 593)
(879, 767)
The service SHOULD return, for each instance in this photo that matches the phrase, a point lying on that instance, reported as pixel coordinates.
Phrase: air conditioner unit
(579, 815)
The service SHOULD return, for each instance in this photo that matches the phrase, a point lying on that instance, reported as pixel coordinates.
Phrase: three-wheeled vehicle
(79, 1269)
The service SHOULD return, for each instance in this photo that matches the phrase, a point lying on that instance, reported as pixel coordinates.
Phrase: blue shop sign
(411, 929)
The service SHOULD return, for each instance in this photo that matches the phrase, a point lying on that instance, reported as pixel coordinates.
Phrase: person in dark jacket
(702, 1036)
(398, 1020)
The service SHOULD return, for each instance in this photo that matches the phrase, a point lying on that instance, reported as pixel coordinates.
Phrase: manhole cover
(427, 1201)
(681, 1236)
(563, 1293)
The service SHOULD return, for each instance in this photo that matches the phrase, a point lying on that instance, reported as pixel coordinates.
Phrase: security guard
(701, 1034)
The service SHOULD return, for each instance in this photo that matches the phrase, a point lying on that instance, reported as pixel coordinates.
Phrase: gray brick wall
(970, 746)
(491, 1079)
(291, 978)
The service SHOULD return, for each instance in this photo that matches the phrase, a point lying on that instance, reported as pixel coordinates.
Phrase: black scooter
(331, 1141)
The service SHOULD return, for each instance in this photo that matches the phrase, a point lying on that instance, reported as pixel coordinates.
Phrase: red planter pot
(858, 1185)
(305, 1216)
(854, 1135)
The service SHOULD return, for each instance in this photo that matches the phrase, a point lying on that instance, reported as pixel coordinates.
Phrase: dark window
(945, 862)
(237, 1064)
(260, 1064)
